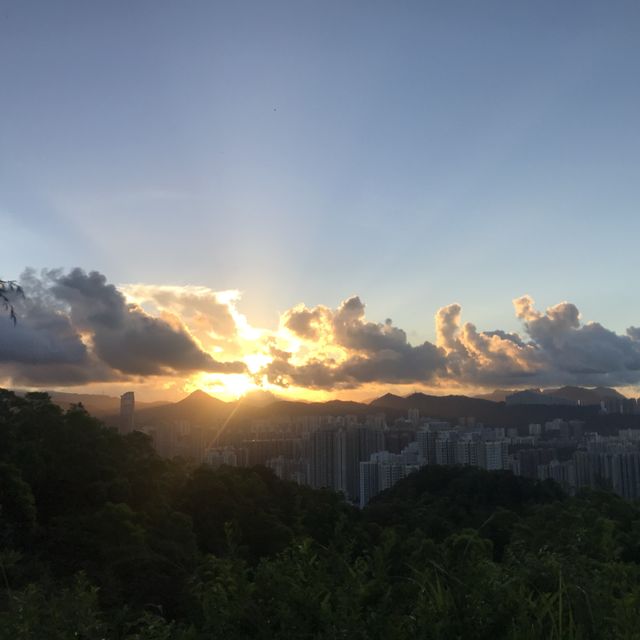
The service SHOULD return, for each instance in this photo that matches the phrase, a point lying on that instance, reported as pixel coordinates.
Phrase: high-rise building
(564, 473)
(322, 458)
(530, 459)
(353, 446)
(369, 482)
(614, 465)
(395, 440)
(468, 451)
(426, 439)
(446, 446)
(495, 455)
(535, 429)
(127, 409)
(383, 470)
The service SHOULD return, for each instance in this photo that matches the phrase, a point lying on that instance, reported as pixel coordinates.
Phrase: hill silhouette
(97, 404)
(585, 396)
(200, 408)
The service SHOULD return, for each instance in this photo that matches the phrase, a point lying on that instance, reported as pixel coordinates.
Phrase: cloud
(555, 347)
(346, 326)
(346, 351)
(76, 327)
(447, 326)
(44, 347)
(634, 333)
(209, 313)
(307, 323)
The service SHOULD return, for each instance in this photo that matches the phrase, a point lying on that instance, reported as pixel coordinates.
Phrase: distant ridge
(498, 395)
(197, 407)
(95, 403)
(200, 408)
(436, 406)
(259, 398)
(390, 400)
(584, 396)
(296, 408)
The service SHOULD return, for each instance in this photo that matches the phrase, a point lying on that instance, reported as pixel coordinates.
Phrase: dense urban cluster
(361, 456)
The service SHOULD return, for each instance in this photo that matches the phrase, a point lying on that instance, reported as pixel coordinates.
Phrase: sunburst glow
(224, 386)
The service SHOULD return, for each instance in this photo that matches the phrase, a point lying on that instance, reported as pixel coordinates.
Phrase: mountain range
(201, 408)
(204, 409)
(95, 403)
(581, 395)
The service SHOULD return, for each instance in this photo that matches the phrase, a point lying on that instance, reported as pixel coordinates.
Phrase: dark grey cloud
(556, 348)
(76, 327)
(410, 364)
(305, 322)
(354, 332)
(587, 351)
(41, 337)
(124, 336)
(634, 333)
(44, 347)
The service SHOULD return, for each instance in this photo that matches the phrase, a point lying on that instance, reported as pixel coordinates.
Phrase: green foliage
(71, 612)
(101, 538)
(17, 508)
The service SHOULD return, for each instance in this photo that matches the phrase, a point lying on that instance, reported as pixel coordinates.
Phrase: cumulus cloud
(346, 326)
(555, 347)
(634, 333)
(210, 313)
(346, 351)
(579, 351)
(447, 326)
(76, 327)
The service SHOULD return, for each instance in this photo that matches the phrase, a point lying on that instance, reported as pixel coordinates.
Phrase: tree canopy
(101, 538)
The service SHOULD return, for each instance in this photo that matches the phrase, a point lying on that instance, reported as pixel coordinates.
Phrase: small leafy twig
(8, 287)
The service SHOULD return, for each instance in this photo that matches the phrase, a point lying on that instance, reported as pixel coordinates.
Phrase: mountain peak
(200, 397)
(390, 396)
(198, 394)
(389, 400)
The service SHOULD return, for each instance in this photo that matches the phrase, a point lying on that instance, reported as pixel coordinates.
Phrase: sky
(247, 158)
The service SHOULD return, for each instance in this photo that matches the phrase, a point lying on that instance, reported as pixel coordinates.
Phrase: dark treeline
(101, 538)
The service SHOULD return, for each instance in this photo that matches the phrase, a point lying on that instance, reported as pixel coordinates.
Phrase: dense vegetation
(100, 538)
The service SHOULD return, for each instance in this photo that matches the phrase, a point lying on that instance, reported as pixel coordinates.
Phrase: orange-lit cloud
(76, 329)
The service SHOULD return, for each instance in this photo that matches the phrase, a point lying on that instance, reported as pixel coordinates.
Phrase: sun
(226, 386)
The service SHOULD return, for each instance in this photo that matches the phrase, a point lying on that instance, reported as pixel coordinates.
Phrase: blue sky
(412, 153)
